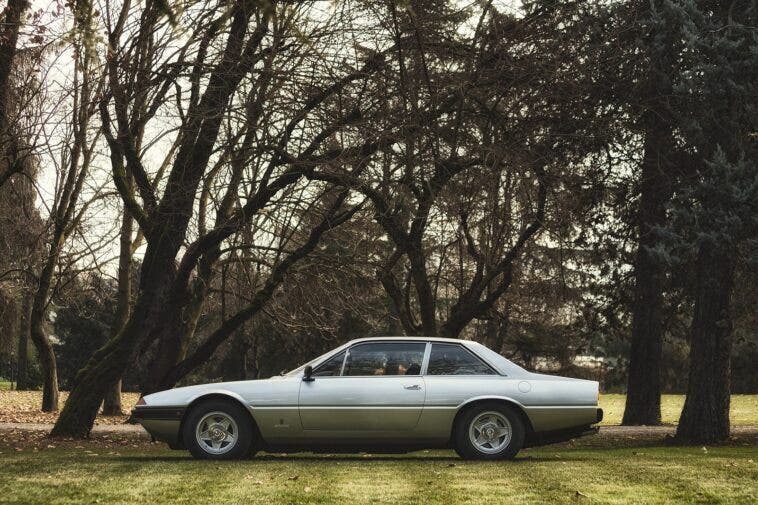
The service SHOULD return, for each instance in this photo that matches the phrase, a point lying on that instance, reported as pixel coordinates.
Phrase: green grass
(624, 469)
(545, 475)
(744, 409)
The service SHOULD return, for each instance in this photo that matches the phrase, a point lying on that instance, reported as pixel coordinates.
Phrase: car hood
(183, 396)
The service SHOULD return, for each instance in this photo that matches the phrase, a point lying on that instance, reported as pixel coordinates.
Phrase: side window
(453, 359)
(390, 358)
(332, 367)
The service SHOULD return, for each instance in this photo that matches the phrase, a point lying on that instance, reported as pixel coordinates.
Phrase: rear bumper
(163, 423)
(553, 425)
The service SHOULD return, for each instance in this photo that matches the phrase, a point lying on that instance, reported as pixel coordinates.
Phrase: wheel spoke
(490, 432)
(216, 433)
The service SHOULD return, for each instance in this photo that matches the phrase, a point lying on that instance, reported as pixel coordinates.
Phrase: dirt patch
(23, 407)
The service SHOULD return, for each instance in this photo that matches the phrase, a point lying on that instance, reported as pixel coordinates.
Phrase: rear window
(453, 359)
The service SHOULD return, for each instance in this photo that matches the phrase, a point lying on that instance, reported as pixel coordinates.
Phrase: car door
(379, 388)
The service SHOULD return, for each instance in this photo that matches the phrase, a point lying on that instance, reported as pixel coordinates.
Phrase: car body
(389, 394)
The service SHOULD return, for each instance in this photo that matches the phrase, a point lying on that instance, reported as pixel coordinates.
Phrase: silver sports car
(380, 395)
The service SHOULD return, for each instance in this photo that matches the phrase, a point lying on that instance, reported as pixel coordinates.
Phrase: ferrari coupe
(385, 395)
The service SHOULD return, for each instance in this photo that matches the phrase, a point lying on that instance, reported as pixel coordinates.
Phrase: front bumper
(163, 423)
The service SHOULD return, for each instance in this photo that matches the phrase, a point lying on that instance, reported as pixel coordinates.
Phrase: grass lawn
(544, 475)
(124, 469)
(743, 411)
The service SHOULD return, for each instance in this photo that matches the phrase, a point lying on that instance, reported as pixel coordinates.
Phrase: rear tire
(489, 431)
(219, 430)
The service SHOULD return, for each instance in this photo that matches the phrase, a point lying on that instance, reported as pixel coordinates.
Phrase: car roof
(411, 339)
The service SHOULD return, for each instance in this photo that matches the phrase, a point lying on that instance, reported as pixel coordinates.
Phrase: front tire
(489, 431)
(218, 429)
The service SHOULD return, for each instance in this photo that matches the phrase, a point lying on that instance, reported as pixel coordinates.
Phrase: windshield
(314, 361)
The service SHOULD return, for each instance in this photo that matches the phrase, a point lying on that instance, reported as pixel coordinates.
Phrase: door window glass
(453, 359)
(331, 368)
(386, 358)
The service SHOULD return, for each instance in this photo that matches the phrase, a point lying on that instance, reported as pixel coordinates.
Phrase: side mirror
(308, 374)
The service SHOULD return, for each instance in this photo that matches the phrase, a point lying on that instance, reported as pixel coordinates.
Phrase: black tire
(242, 446)
(466, 449)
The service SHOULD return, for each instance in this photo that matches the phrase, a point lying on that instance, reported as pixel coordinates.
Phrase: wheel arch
(226, 396)
(503, 400)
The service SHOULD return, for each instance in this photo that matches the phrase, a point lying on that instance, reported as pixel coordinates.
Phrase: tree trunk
(22, 376)
(112, 401)
(171, 347)
(108, 364)
(423, 290)
(643, 398)
(40, 340)
(49, 369)
(705, 417)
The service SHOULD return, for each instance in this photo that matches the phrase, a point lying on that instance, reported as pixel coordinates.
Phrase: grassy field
(743, 411)
(546, 475)
(123, 469)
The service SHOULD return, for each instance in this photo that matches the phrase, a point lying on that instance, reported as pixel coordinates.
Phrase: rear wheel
(489, 431)
(218, 429)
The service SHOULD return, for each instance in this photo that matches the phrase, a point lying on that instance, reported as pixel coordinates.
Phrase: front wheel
(489, 431)
(218, 429)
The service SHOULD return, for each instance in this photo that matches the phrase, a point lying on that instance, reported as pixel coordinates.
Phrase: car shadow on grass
(449, 460)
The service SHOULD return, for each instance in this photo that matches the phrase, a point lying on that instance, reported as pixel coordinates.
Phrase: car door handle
(412, 387)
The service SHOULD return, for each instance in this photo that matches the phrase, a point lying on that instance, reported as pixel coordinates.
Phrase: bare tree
(246, 55)
(486, 140)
